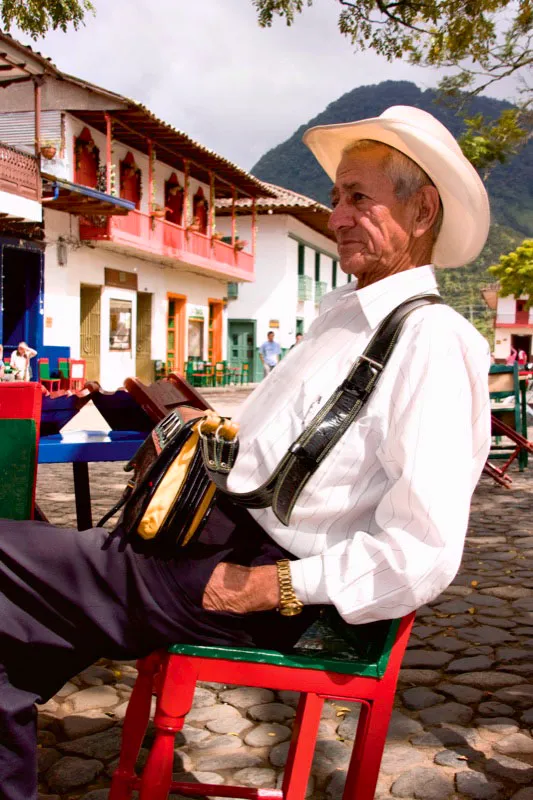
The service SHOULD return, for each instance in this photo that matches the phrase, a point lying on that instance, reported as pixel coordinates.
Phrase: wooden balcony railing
(19, 173)
(138, 231)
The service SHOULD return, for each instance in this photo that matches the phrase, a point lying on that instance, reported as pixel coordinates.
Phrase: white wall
(86, 265)
(506, 310)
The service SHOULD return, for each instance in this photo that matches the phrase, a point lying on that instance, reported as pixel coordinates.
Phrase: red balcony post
(37, 112)
(185, 219)
(254, 226)
(211, 212)
(108, 156)
(150, 176)
(233, 218)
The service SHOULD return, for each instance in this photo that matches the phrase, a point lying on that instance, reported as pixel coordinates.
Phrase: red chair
(365, 672)
(52, 384)
(20, 416)
(72, 373)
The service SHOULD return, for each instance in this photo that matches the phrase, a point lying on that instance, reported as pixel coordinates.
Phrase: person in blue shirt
(269, 353)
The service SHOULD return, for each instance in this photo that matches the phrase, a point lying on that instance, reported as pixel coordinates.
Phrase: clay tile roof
(285, 201)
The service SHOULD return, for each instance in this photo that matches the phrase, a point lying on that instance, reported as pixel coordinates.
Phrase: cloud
(208, 69)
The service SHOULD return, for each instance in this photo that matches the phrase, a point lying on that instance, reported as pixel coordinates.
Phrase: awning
(75, 199)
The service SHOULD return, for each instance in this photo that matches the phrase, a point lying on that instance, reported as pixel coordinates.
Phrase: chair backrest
(77, 369)
(63, 367)
(44, 369)
(504, 381)
(20, 414)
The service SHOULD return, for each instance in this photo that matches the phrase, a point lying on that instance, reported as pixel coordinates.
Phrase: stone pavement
(463, 720)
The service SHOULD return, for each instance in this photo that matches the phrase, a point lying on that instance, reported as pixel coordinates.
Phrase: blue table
(80, 448)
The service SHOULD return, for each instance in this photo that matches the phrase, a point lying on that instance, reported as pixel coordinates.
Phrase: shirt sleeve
(435, 442)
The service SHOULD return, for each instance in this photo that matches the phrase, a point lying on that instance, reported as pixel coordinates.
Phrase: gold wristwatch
(289, 604)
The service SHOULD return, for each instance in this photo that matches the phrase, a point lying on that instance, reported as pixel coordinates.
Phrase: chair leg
(135, 724)
(302, 748)
(365, 762)
(173, 703)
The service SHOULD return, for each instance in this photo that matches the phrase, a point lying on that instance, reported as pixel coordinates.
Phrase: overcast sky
(206, 67)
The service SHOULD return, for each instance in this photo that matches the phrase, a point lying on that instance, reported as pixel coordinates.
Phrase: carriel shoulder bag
(180, 466)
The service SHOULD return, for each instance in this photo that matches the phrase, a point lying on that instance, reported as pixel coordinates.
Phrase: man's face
(372, 226)
(270, 337)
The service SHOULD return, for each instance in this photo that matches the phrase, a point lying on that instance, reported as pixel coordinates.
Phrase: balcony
(305, 287)
(321, 289)
(164, 241)
(20, 185)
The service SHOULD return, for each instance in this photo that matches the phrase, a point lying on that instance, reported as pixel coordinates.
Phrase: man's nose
(340, 217)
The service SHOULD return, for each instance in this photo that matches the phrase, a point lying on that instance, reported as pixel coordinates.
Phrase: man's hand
(241, 590)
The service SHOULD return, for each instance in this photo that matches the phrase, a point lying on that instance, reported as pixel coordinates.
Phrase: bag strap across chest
(284, 486)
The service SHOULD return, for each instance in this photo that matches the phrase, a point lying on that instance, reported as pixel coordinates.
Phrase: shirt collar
(380, 298)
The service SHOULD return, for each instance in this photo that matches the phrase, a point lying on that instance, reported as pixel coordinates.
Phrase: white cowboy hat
(417, 134)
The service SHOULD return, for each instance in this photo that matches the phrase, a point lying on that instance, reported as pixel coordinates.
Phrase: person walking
(269, 353)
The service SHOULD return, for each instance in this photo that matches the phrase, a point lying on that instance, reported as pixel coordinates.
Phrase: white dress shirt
(379, 528)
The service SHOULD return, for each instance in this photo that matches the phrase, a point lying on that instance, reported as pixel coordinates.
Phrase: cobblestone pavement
(463, 720)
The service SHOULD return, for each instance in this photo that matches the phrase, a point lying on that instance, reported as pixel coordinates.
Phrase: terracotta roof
(284, 201)
(143, 124)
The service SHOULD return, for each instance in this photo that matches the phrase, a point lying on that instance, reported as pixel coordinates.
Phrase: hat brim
(466, 211)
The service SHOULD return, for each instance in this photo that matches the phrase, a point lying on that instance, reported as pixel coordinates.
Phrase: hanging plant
(85, 146)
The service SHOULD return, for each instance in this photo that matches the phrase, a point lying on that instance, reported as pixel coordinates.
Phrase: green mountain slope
(510, 186)
(291, 164)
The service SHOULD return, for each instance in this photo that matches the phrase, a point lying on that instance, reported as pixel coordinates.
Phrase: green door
(241, 344)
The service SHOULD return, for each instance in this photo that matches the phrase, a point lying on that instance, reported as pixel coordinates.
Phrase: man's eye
(334, 200)
(357, 197)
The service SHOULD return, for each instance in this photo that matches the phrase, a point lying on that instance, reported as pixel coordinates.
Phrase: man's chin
(357, 264)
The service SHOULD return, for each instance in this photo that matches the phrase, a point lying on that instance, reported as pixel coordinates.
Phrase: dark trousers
(68, 598)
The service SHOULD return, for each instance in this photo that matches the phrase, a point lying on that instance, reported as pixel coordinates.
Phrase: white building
(133, 271)
(513, 323)
(296, 264)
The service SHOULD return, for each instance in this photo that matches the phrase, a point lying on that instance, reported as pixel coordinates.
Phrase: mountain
(510, 185)
(291, 164)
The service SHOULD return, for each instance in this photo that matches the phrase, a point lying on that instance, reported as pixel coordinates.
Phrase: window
(333, 274)
(196, 337)
(120, 314)
(317, 267)
(301, 259)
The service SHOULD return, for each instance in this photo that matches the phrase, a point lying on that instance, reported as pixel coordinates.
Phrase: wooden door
(242, 344)
(143, 365)
(90, 330)
(176, 332)
(214, 350)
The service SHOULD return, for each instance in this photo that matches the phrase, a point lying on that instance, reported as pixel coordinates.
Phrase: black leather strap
(305, 455)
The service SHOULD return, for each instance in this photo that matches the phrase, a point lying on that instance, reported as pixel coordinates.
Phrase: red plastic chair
(52, 384)
(72, 373)
(369, 677)
(20, 417)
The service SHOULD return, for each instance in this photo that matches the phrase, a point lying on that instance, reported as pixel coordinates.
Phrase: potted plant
(240, 244)
(48, 149)
(158, 211)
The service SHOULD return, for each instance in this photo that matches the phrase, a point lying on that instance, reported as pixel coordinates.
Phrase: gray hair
(406, 176)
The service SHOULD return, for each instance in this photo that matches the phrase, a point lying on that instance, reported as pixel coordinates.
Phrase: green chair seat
(328, 645)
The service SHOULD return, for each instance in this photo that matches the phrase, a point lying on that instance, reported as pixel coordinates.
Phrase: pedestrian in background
(269, 353)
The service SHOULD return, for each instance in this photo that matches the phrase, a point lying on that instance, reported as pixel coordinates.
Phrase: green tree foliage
(515, 272)
(483, 41)
(36, 17)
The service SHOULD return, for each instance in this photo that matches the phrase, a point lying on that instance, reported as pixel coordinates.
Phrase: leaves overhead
(36, 17)
(515, 272)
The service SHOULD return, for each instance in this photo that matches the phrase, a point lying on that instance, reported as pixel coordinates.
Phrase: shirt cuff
(309, 581)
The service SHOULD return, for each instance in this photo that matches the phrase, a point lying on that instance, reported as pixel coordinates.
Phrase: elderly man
(379, 527)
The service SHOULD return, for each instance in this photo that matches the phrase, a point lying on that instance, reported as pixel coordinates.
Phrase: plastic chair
(63, 369)
(365, 672)
(245, 373)
(52, 384)
(221, 374)
(20, 414)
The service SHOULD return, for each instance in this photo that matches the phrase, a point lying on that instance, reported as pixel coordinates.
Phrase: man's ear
(428, 205)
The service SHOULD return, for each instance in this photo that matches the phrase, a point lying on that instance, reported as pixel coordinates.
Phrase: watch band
(289, 605)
